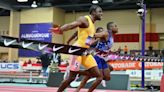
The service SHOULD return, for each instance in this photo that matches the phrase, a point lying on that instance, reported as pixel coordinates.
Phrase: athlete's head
(96, 12)
(99, 29)
(112, 26)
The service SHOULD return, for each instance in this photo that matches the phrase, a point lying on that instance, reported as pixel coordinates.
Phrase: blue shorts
(101, 62)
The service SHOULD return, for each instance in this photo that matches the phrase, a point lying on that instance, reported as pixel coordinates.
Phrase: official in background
(46, 58)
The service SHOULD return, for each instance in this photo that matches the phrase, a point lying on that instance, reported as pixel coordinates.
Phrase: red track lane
(46, 89)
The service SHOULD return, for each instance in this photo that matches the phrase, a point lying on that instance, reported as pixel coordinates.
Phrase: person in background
(125, 49)
(59, 59)
(38, 60)
(29, 61)
(119, 50)
(45, 58)
(162, 57)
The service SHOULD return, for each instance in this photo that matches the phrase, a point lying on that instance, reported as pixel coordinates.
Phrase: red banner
(126, 38)
(151, 37)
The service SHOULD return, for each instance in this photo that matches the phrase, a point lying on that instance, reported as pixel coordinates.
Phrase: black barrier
(117, 82)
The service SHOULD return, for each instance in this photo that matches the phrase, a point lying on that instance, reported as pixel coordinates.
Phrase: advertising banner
(10, 67)
(39, 32)
(124, 65)
(151, 74)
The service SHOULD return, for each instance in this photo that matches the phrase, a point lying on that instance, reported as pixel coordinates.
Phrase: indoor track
(47, 89)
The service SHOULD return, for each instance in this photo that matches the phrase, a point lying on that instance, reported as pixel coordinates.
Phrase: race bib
(75, 66)
(89, 40)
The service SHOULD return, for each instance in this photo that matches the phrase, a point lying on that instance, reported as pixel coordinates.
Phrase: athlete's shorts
(86, 61)
(102, 64)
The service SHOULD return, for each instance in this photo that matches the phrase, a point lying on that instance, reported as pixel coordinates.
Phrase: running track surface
(46, 89)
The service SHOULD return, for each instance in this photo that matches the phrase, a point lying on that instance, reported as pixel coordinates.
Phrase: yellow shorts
(86, 61)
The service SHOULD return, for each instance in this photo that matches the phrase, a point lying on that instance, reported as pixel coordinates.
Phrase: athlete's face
(114, 28)
(98, 13)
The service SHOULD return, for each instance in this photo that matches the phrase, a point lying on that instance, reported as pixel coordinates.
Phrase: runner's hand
(55, 29)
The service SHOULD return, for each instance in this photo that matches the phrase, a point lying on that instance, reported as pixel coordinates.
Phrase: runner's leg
(83, 82)
(66, 82)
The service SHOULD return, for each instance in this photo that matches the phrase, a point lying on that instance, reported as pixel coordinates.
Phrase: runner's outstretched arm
(80, 22)
(72, 37)
(101, 34)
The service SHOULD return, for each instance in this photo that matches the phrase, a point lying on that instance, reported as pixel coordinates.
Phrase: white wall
(158, 19)
(4, 24)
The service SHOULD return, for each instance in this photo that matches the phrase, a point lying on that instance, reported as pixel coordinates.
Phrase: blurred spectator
(125, 49)
(25, 63)
(155, 54)
(150, 51)
(162, 55)
(146, 54)
(29, 61)
(45, 58)
(38, 62)
(5, 61)
(16, 61)
(150, 48)
(119, 49)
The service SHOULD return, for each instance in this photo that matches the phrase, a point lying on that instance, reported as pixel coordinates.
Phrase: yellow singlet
(83, 33)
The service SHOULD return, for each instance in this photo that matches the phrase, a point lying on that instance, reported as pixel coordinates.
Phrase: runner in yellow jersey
(86, 31)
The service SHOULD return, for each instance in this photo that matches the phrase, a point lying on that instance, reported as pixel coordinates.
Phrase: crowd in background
(7, 61)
